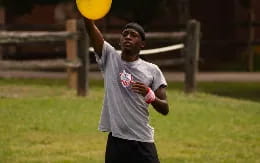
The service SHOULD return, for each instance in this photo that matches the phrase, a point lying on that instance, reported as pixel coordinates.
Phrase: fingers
(139, 92)
(140, 88)
(138, 84)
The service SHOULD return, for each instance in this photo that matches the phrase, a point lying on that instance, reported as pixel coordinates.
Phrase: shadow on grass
(246, 91)
(28, 82)
(49, 82)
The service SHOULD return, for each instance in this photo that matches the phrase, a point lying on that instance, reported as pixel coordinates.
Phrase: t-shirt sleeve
(158, 79)
(107, 51)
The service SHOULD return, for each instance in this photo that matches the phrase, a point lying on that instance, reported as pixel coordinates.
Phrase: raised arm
(95, 35)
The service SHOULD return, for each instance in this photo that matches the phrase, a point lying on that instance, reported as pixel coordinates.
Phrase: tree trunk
(183, 11)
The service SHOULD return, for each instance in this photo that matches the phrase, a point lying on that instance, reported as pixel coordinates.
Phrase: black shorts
(130, 151)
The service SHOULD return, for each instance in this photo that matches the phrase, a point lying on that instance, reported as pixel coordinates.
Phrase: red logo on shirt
(126, 79)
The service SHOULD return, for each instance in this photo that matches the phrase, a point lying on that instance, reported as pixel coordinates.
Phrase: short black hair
(136, 27)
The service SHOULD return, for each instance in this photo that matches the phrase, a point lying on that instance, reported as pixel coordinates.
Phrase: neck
(129, 57)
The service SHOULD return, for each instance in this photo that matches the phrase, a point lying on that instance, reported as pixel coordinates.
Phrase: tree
(18, 7)
(245, 3)
(25, 6)
(143, 11)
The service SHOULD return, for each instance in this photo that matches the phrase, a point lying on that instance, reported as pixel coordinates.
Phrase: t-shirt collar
(136, 62)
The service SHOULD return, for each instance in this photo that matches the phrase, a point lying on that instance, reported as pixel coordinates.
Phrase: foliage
(18, 7)
(135, 10)
(245, 3)
(25, 6)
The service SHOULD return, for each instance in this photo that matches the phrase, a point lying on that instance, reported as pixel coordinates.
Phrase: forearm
(95, 35)
(161, 106)
(158, 99)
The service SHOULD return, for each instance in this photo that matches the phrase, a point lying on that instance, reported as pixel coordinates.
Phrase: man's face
(131, 40)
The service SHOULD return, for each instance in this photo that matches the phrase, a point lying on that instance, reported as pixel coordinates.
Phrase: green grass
(43, 121)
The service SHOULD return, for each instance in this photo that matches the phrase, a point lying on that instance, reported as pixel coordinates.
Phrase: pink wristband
(150, 96)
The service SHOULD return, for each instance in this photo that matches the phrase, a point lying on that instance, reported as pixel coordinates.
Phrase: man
(131, 84)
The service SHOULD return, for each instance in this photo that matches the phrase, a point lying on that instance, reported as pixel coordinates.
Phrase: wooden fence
(77, 50)
(77, 46)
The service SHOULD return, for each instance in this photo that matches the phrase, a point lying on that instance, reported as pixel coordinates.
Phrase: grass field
(43, 121)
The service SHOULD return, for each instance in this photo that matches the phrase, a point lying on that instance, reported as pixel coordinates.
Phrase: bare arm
(160, 104)
(95, 35)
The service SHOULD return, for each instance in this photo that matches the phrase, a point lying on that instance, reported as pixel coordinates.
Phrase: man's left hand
(140, 88)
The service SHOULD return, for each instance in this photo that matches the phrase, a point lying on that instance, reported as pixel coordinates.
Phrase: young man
(131, 84)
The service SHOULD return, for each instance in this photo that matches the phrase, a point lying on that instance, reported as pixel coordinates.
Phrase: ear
(119, 42)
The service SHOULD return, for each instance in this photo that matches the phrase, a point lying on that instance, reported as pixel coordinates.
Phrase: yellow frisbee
(94, 9)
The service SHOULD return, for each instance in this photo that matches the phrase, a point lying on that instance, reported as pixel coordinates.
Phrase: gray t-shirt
(124, 112)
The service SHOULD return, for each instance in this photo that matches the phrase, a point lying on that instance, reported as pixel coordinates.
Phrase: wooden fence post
(192, 44)
(251, 37)
(83, 54)
(71, 51)
(2, 22)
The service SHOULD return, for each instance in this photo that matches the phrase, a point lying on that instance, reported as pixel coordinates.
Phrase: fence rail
(32, 27)
(173, 36)
(7, 37)
(77, 46)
